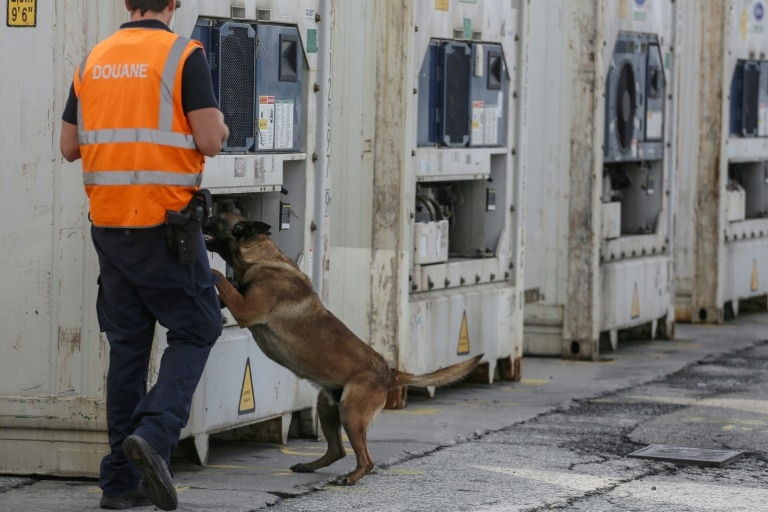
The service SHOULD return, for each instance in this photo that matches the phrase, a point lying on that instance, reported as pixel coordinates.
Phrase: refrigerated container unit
(600, 201)
(267, 54)
(427, 148)
(722, 171)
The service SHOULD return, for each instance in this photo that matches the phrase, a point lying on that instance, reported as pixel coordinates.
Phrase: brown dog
(275, 300)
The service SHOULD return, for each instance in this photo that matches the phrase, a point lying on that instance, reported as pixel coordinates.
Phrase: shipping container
(600, 188)
(721, 250)
(269, 62)
(428, 138)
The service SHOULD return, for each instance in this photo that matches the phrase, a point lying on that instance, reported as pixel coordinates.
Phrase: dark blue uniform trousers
(142, 282)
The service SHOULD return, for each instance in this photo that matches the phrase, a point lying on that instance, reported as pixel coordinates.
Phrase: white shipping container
(599, 187)
(405, 159)
(721, 251)
(53, 368)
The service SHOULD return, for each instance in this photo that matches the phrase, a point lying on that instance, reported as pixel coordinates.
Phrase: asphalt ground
(557, 440)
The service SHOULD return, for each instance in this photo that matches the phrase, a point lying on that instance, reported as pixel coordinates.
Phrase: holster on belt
(183, 228)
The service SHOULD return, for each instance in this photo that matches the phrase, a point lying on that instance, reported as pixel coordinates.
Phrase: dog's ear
(260, 228)
(239, 230)
(248, 229)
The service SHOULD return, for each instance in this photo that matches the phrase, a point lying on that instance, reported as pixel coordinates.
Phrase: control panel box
(634, 100)
(257, 72)
(462, 92)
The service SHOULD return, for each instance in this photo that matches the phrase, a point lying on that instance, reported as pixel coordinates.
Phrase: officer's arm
(208, 130)
(69, 144)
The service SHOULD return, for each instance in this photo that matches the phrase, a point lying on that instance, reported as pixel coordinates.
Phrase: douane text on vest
(119, 71)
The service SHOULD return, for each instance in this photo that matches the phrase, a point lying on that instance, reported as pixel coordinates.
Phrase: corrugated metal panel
(352, 127)
(54, 360)
(546, 191)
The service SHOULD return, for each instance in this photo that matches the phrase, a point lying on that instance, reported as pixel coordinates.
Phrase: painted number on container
(21, 13)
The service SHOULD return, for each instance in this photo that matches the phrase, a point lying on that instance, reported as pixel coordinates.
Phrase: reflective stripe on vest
(175, 139)
(142, 178)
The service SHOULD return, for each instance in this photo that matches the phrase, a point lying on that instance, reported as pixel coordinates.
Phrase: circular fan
(625, 106)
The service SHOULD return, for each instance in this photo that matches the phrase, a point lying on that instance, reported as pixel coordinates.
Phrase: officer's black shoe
(135, 498)
(154, 469)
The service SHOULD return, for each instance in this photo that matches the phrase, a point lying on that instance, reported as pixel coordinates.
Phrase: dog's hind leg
(330, 422)
(359, 407)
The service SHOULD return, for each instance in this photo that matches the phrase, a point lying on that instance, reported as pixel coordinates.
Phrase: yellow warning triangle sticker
(754, 275)
(635, 304)
(247, 401)
(463, 347)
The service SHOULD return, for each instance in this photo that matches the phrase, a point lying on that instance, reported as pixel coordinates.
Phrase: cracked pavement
(557, 440)
(575, 458)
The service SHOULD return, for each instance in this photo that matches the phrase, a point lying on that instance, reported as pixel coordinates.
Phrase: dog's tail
(438, 378)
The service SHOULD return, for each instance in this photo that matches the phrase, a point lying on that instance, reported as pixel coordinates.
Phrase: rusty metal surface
(392, 42)
(580, 323)
(716, 248)
(701, 178)
(706, 303)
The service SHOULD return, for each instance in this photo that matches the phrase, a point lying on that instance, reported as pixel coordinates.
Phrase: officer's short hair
(147, 5)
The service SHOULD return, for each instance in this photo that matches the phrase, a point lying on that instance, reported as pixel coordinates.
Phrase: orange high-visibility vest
(139, 156)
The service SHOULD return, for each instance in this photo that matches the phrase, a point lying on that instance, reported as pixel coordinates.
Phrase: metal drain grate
(687, 456)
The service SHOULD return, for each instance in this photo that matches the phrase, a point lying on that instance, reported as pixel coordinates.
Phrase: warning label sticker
(283, 124)
(275, 123)
(485, 124)
(247, 400)
(463, 346)
(266, 138)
